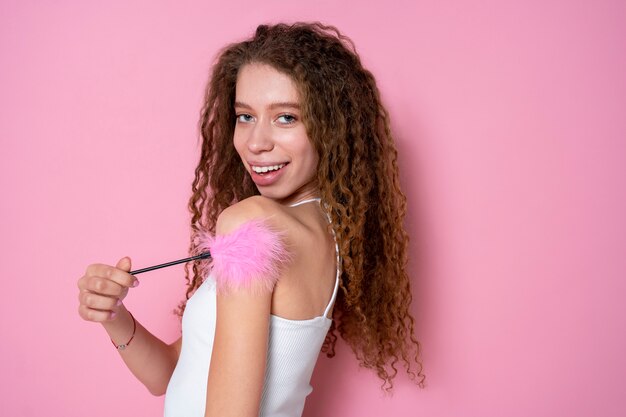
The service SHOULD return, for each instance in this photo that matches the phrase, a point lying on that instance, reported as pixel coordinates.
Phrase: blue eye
(286, 119)
(244, 118)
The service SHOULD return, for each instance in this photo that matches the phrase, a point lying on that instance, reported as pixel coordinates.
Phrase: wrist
(120, 317)
(121, 328)
(124, 345)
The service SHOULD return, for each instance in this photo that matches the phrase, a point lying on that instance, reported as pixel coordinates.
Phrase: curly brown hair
(357, 176)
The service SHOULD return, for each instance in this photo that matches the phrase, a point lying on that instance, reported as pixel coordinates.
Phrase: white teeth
(267, 168)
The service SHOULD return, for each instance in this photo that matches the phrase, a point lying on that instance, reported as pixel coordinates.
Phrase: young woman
(296, 140)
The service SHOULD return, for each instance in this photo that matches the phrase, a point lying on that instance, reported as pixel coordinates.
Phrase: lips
(266, 168)
(267, 174)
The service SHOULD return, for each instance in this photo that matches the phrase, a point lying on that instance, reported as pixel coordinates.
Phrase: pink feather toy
(249, 258)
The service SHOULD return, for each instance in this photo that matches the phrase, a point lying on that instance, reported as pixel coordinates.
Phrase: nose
(260, 139)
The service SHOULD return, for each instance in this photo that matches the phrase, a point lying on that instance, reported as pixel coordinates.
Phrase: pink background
(510, 120)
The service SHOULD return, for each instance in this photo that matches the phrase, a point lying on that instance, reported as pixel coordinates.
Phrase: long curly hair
(357, 175)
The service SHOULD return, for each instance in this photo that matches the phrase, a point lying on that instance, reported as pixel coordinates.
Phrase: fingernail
(113, 314)
(135, 283)
(119, 302)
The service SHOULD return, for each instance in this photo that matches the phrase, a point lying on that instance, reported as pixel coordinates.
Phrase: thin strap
(305, 201)
(332, 299)
(334, 296)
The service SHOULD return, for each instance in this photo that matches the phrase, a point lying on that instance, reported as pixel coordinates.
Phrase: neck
(307, 192)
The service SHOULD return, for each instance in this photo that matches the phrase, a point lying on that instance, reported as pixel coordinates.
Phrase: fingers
(94, 307)
(102, 286)
(124, 264)
(97, 301)
(98, 307)
(99, 298)
(107, 272)
(89, 314)
(102, 289)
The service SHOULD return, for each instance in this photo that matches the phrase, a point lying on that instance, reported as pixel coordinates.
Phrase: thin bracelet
(123, 346)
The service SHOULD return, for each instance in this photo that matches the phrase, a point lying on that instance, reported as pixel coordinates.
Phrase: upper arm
(238, 361)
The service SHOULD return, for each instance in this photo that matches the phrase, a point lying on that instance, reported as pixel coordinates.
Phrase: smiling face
(270, 137)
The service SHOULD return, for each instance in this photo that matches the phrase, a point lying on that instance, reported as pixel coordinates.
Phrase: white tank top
(293, 349)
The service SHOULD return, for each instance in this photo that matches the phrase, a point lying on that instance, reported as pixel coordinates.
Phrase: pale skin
(269, 132)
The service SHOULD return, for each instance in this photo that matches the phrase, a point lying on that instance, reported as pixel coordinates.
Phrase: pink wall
(512, 136)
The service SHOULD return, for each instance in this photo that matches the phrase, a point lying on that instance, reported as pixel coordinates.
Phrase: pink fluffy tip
(250, 257)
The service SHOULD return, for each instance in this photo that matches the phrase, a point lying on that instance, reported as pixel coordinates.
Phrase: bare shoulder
(255, 207)
(307, 279)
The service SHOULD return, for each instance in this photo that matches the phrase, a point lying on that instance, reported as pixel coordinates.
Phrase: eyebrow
(272, 106)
